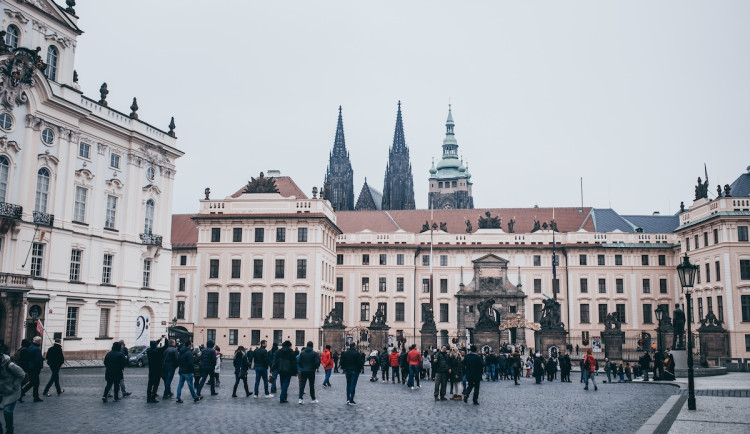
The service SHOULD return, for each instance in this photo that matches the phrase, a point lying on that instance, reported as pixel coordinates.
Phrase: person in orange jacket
(327, 361)
(414, 359)
(393, 359)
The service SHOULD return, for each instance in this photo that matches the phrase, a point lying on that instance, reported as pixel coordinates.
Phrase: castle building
(339, 174)
(398, 187)
(450, 181)
(85, 197)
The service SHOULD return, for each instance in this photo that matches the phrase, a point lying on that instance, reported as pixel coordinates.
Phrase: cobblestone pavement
(550, 407)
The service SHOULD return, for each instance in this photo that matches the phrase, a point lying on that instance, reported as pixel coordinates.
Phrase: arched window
(11, 37)
(4, 170)
(51, 71)
(42, 190)
(149, 224)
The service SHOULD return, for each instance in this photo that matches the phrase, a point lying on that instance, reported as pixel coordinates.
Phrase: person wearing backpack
(55, 360)
(589, 366)
(11, 377)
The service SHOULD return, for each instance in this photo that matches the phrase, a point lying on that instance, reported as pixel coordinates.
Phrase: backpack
(587, 363)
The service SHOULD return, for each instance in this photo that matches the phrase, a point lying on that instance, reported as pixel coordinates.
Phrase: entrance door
(513, 332)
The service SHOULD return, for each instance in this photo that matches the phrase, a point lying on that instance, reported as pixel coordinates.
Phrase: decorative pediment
(261, 184)
(152, 188)
(114, 182)
(154, 154)
(490, 258)
(50, 160)
(17, 16)
(85, 174)
(8, 145)
(17, 73)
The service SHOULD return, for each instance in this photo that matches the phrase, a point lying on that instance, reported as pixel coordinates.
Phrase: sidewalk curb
(662, 420)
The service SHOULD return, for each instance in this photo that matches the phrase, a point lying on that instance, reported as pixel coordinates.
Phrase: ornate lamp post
(687, 272)
(659, 332)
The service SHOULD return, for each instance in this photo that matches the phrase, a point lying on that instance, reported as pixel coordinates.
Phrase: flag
(39, 327)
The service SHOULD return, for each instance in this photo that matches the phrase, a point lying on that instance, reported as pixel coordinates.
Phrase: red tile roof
(184, 231)
(286, 186)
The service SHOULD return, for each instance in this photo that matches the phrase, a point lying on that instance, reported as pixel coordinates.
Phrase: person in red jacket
(327, 361)
(393, 360)
(589, 367)
(414, 359)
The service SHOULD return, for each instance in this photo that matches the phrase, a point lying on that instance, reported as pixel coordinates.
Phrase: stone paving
(550, 407)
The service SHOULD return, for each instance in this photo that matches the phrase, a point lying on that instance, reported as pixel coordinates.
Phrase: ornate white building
(85, 196)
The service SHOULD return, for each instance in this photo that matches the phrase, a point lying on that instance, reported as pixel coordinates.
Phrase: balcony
(13, 281)
(10, 211)
(151, 240)
(43, 219)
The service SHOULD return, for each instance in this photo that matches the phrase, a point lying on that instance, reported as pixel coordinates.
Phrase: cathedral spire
(398, 188)
(339, 143)
(339, 174)
(399, 141)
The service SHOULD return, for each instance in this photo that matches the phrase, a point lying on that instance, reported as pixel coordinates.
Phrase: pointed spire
(399, 142)
(339, 143)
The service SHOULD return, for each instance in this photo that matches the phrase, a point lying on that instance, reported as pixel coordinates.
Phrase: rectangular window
(444, 286)
(79, 210)
(400, 259)
(537, 260)
(741, 233)
(278, 336)
(213, 268)
(279, 274)
(257, 268)
(364, 311)
(299, 338)
(183, 260)
(537, 286)
(687, 244)
(720, 307)
(603, 312)
(747, 342)
(399, 284)
(254, 337)
(696, 242)
(556, 286)
(400, 311)
(662, 286)
(383, 307)
(84, 150)
(644, 259)
(619, 287)
(75, 265)
(107, 269)
(602, 286)
(600, 259)
(744, 269)
(236, 267)
(300, 305)
(708, 273)
(537, 312)
(104, 323)
(662, 260)
(700, 309)
(147, 273)
(584, 285)
(181, 286)
(211, 335)
(280, 235)
(212, 305)
(365, 259)
(383, 259)
(582, 259)
(339, 307)
(236, 235)
(382, 287)
(180, 310)
(705, 239)
(114, 160)
(710, 304)
(235, 299)
(717, 266)
(698, 274)
(339, 259)
(259, 234)
(71, 322)
(278, 304)
(620, 312)
(443, 312)
(37, 259)
(646, 286)
(425, 260)
(426, 286)
(339, 284)
(215, 235)
(618, 259)
(301, 235)
(716, 236)
(365, 284)
(301, 268)
(111, 212)
(256, 305)
(233, 336)
(647, 312)
(585, 319)
(443, 260)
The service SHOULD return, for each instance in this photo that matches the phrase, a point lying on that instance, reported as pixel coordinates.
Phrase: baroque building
(398, 187)
(450, 181)
(339, 174)
(85, 197)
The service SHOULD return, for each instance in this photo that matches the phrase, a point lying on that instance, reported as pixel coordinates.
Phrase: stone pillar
(613, 340)
(549, 338)
(429, 336)
(378, 337)
(335, 337)
(490, 338)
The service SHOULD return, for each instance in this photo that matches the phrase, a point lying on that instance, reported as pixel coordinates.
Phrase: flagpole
(554, 258)
(432, 221)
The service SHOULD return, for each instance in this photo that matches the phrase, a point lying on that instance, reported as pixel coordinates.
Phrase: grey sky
(633, 96)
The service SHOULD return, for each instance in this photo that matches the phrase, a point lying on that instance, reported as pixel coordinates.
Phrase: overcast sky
(633, 96)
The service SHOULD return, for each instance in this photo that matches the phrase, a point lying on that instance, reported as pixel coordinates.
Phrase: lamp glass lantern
(687, 272)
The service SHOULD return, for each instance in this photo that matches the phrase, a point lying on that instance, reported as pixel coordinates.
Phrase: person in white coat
(11, 377)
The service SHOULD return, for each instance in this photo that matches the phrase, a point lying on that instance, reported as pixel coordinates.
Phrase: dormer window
(51, 71)
(11, 36)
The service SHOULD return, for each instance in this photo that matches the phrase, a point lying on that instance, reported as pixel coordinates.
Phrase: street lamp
(687, 272)
(659, 314)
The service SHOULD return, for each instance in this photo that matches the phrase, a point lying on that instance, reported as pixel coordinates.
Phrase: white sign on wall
(142, 325)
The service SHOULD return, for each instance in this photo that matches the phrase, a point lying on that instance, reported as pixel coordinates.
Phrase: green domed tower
(450, 181)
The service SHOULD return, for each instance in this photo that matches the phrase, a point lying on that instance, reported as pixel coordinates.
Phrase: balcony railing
(9, 210)
(151, 239)
(8, 280)
(44, 219)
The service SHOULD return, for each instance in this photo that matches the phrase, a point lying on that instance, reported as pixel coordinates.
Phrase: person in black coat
(441, 366)
(538, 368)
(185, 365)
(473, 366)
(645, 362)
(309, 360)
(285, 363)
(260, 359)
(208, 364)
(114, 363)
(55, 360)
(351, 364)
(241, 367)
(155, 366)
(34, 365)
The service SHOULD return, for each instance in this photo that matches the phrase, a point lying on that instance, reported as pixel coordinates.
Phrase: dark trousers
(240, 377)
(110, 383)
(395, 374)
(261, 374)
(168, 377)
(441, 381)
(351, 384)
(284, 385)
(304, 377)
(472, 385)
(33, 383)
(54, 379)
(516, 373)
(384, 373)
(206, 374)
(154, 377)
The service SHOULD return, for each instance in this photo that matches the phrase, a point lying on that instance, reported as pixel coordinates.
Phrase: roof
(567, 219)
(741, 186)
(660, 224)
(286, 186)
(607, 220)
(184, 231)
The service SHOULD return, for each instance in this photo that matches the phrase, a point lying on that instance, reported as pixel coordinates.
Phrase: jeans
(327, 379)
(122, 387)
(395, 374)
(109, 385)
(285, 379)
(473, 385)
(273, 383)
(491, 373)
(261, 373)
(441, 380)
(8, 414)
(240, 376)
(351, 384)
(609, 376)
(304, 377)
(207, 374)
(413, 371)
(168, 376)
(54, 379)
(590, 375)
(186, 378)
